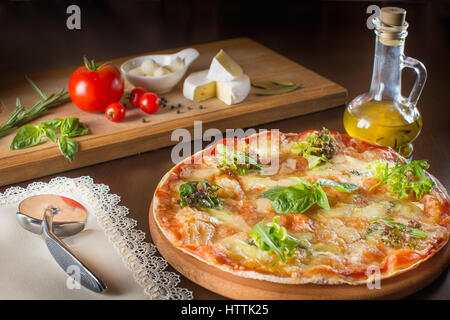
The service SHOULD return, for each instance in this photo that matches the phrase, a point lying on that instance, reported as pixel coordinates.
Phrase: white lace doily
(139, 256)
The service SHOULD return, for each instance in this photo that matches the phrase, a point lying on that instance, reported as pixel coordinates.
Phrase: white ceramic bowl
(159, 84)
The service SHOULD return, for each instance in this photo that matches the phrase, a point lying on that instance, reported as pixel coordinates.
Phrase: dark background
(329, 37)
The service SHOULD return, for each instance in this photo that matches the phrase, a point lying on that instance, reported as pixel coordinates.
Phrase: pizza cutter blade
(37, 214)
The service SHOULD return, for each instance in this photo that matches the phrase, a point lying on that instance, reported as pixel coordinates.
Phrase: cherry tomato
(115, 112)
(136, 95)
(149, 102)
(92, 88)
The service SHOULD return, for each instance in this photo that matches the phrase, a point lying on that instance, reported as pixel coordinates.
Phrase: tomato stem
(90, 65)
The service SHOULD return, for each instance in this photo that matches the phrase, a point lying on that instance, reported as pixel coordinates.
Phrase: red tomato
(149, 102)
(136, 95)
(92, 88)
(115, 112)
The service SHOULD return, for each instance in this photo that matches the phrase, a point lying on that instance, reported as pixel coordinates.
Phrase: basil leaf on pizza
(340, 186)
(302, 196)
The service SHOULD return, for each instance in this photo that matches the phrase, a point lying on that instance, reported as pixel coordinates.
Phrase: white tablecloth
(110, 245)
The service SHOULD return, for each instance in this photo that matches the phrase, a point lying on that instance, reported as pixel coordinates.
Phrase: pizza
(316, 207)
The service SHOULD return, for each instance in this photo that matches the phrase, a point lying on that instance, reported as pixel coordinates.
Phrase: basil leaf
(300, 180)
(81, 130)
(49, 132)
(321, 198)
(300, 197)
(52, 123)
(340, 186)
(68, 125)
(68, 147)
(294, 199)
(27, 136)
(272, 193)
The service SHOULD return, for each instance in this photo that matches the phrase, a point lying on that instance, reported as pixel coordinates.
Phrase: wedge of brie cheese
(197, 86)
(235, 91)
(224, 68)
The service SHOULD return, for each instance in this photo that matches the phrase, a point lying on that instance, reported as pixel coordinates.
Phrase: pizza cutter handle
(66, 259)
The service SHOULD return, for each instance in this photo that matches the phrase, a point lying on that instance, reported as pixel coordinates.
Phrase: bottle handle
(421, 73)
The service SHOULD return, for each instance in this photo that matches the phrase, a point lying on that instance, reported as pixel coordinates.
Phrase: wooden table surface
(330, 38)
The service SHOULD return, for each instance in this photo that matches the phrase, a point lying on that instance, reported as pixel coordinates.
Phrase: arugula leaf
(274, 238)
(403, 177)
(300, 197)
(318, 148)
(27, 136)
(199, 194)
(238, 162)
(68, 147)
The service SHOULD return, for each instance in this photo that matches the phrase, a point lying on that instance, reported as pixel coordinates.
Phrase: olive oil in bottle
(381, 122)
(382, 115)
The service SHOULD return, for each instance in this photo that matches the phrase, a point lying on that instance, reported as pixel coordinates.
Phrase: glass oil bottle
(382, 115)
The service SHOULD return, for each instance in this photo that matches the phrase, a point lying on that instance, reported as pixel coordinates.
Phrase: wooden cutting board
(108, 140)
(235, 287)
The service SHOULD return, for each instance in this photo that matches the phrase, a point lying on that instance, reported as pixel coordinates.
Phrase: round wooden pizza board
(235, 287)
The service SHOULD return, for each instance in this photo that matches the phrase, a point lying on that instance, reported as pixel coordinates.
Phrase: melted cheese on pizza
(334, 245)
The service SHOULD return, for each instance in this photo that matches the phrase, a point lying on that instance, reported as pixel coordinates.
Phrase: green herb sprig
(403, 177)
(199, 194)
(300, 197)
(317, 149)
(238, 162)
(273, 238)
(396, 234)
(31, 135)
(21, 115)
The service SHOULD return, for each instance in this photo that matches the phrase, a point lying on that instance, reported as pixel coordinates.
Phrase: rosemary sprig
(21, 115)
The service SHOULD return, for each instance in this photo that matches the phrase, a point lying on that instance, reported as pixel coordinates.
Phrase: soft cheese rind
(232, 92)
(198, 87)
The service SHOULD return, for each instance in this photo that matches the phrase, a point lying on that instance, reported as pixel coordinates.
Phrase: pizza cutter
(54, 216)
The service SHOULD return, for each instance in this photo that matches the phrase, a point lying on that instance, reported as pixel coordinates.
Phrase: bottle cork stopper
(393, 16)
